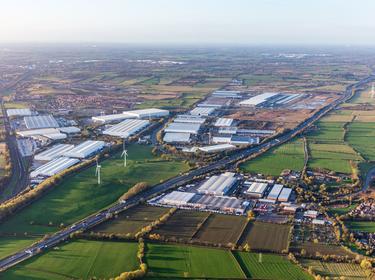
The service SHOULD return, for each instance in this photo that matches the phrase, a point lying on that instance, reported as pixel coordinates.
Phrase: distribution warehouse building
(202, 111)
(19, 112)
(85, 149)
(176, 137)
(54, 167)
(259, 99)
(111, 118)
(275, 192)
(126, 128)
(36, 122)
(218, 184)
(135, 114)
(54, 152)
(256, 189)
(223, 122)
(192, 128)
(189, 119)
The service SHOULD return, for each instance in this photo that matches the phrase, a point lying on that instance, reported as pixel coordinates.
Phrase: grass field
(342, 210)
(271, 267)
(183, 224)
(350, 271)
(8, 245)
(79, 259)
(361, 226)
(186, 261)
(266, 236)
(79, 195)
(132, 220)
(221, 229)
(273, 162)
(360, 137)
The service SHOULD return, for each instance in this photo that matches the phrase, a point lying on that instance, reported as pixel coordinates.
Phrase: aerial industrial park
(186, 140)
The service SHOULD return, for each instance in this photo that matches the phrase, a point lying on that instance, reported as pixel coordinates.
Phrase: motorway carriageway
(102, 216)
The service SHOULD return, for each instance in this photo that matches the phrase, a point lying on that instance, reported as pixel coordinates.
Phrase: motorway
(102, 216)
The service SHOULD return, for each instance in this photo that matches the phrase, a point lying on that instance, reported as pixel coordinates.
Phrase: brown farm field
(182, 225)
(266, 236)
(312, 249)
(131, 220)
(221, 229)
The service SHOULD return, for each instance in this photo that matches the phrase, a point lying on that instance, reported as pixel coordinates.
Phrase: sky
(234, 22)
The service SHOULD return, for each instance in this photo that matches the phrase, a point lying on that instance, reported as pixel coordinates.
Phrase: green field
(273, 162)
(186, 261)
(8, 245)
(361, 138)
(361, 226)
(350, 271)
(271, 267)
(131, 220)
(79, 259)
(342, 210)
(79, 195)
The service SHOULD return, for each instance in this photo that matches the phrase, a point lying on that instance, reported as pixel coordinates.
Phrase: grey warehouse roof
(35, 122)
(126, 128)
(183, 127)
(85, 149)
(54, 152)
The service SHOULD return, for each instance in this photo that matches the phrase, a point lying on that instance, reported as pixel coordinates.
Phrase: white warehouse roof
(275, 192)
(53, 152)
(173, 137)
(54, 167)
(126, 128)
(189, 119)
(259, 99)
(192, 128)
(285, 194)
(226, 93)
(217, 148)
(218, 185)
(19, 112)
(70, 129)
(34, 132)
(147, 113)
(85, 149)
(55, 136)
(177, 198)
(112, 118)
(223, 122)
(34, 122)
(202, 111)
(257, 188)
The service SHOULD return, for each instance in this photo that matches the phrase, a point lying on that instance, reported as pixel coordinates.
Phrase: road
(95, 219)
(19, 177)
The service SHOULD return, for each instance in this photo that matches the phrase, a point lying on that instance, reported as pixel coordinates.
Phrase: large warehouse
(19, 112)
(275, 192)
(176, 137)
(85, 149)
(192, 128)
(202, 111)
(218, 184)
(36, 122)
(226, 94)
(259, 100)
(217, 148)
(54, 152)
(147, 113)
(285, 195)
(189, 119)
(256, 189)
(54, 167)
(223, 122)
(34, 132)
(126, 128)
(111, 118)
(177, 198)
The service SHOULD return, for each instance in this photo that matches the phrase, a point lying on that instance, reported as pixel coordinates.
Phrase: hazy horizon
(191, 22)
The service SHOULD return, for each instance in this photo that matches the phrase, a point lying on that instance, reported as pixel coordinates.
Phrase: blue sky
(189, 21)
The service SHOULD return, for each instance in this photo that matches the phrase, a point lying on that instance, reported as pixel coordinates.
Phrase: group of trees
(155, 224)
(136, 189)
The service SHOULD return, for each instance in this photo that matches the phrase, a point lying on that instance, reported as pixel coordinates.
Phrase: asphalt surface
(102, 216)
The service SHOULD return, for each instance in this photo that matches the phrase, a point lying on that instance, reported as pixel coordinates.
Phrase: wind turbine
(97, 172)
(124, 153)
(372, 91)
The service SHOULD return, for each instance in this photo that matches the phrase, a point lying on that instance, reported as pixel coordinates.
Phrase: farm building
(218, 184)
(177, 198)
(36, 122)
(126, 128)
(259, 100)
(176, 137)
(192, 128)
(216, 148)
(147, 113)
(70, 129)
(202, 111)
(19, 112)
(285, 194)
(54, 152)
(111, 118)
(54, 167)
(227, 93)
(223, 122)
(85, 149)
(275, 192)
(189, 119)
(256, 189)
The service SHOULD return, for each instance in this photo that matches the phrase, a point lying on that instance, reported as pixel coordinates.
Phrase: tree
(246, 247)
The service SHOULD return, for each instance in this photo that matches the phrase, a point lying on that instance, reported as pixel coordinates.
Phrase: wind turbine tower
(372, 90)
(124, 153)
(97, 172)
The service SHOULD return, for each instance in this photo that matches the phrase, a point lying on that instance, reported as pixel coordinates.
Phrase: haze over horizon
(327, 22)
